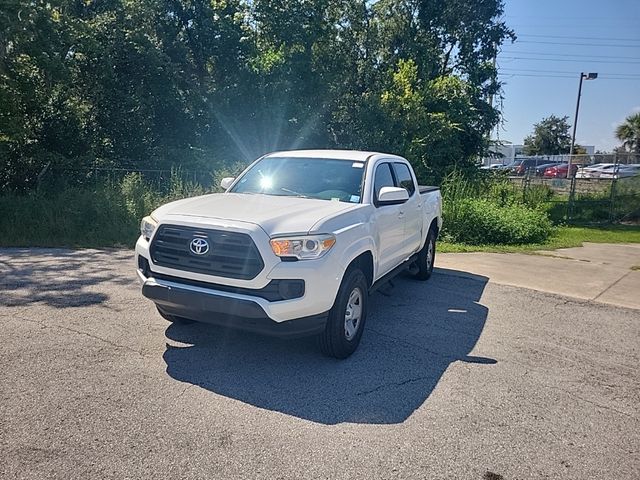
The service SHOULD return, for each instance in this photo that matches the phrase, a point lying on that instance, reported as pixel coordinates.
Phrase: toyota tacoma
(293, 247)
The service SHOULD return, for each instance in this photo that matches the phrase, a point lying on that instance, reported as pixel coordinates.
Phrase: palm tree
(629, 133)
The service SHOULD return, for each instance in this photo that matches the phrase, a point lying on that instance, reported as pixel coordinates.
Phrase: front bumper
(322, 279)
(226, 309)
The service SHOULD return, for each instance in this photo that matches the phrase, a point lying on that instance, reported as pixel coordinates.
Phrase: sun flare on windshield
(266, 183)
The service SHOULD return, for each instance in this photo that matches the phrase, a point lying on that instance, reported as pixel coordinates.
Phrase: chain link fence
(160, 180)
(584, 189)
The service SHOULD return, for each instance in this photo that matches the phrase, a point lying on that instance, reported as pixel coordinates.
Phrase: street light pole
(583, 76)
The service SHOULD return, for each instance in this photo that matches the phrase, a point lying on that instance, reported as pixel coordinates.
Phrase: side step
(393, 273)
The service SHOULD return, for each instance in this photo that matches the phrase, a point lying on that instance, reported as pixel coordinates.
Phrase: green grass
(562, 237)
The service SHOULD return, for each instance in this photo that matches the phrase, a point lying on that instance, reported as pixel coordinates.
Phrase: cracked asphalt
(458, 377)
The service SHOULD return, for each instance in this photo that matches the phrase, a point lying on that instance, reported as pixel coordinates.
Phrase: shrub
(489, 209)
(138, 196)
(480, 221)
(537, 196)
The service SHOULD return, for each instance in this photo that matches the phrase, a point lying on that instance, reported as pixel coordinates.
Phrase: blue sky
(541, 70)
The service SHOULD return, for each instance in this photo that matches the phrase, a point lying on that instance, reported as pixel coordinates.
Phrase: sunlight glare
(266, 183)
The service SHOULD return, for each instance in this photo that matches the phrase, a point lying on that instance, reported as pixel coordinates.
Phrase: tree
(628, 133)
(205, 83)
(550, 137)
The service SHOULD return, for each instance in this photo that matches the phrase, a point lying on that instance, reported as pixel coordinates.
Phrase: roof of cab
(352, 155)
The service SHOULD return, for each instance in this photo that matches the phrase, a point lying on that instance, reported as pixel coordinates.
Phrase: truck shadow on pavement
(411, 338)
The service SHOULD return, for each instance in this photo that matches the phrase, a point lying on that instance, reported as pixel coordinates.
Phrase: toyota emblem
(199, 246)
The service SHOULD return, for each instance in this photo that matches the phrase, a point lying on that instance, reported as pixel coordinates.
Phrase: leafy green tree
(434, 123)
(628, 133)
(203, 84)
(550, 137)
(444, 51)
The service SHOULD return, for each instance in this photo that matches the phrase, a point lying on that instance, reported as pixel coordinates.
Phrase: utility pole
(583, 76)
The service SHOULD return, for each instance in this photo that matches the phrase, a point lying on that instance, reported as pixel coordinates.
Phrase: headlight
(303, 248)
(147, 226)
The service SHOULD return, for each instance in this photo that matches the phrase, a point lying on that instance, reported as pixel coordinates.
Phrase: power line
(543, 75)
(574, 18)
(572, 77)
(565, 25)
(571, 37)
(533, 75)
(569, 60)
(567, 55)
(568, 71)
(578, 44)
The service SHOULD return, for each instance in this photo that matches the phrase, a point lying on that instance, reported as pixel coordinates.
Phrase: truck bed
(426, 189)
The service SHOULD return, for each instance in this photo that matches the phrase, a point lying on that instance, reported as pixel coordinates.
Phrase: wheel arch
(435, 226)
(364, 262)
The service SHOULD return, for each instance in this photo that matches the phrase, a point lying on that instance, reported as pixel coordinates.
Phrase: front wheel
(426, 257)
(347, 317)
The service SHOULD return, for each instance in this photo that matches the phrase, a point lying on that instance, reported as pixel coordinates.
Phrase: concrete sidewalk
(595, 271)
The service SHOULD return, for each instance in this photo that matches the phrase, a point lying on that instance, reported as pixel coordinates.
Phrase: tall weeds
(106, 214)
(489, 209)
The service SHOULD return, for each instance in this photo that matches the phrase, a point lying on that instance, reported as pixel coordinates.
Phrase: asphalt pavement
(461, 377)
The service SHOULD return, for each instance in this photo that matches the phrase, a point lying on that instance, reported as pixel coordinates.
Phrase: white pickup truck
(293, 247)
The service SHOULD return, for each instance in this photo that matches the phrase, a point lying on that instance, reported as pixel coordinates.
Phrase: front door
(389, 220)
(413, 214)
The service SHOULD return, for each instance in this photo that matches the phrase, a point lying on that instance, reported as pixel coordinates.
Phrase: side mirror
(392, 196)
(226, 182)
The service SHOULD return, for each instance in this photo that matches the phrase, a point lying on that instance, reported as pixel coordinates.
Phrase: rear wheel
(173, 318)
(426, 257)
(347, 317)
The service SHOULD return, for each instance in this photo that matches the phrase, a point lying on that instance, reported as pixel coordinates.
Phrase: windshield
(321, 178)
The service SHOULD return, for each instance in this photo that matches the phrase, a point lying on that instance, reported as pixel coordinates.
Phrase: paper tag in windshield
(357, 165)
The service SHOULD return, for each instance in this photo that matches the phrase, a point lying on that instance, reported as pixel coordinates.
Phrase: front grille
(230, 255)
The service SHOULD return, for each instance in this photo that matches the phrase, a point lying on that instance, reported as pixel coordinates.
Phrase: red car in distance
(560, 171)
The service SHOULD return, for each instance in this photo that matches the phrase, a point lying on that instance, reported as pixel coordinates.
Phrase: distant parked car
(493, 166)
(623, 171)
(530, 165)
(510, 167)
(596, 170)
(560, 171)
(525, 165)
(540, 169)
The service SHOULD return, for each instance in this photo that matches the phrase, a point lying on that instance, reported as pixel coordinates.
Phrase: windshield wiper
(297, 194)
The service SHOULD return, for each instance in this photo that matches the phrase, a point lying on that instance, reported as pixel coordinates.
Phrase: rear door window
(404, 178)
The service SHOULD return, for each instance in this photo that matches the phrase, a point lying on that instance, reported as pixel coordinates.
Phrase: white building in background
(511, 151)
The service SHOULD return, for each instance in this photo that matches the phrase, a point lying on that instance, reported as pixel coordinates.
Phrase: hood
(274, 214)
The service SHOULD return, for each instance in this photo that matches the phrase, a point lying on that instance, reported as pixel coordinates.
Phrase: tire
(173, 318)
(426, 257)
(342, 335)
